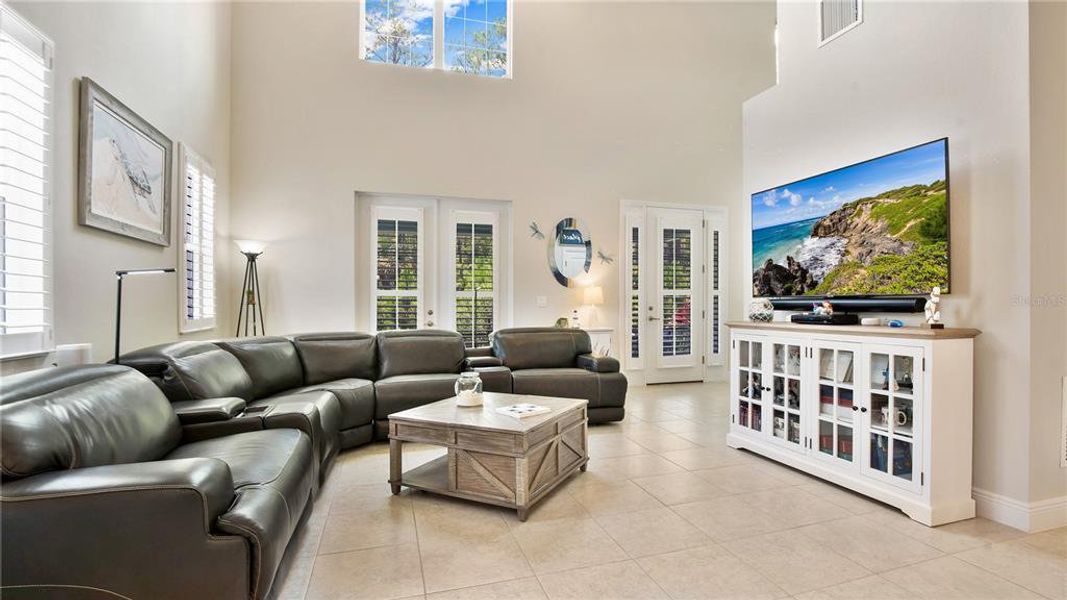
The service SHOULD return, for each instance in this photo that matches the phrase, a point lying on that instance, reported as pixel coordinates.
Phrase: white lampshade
(250, 246)
(594, 295)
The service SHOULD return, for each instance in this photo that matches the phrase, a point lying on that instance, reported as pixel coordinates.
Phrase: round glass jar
(469, 389)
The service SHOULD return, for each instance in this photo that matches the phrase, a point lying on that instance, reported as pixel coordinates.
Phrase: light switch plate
(542, 301)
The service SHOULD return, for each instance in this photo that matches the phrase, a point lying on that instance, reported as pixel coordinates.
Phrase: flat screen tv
(875, 228)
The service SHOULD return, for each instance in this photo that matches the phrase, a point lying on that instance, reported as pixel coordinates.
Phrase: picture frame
(125, 176)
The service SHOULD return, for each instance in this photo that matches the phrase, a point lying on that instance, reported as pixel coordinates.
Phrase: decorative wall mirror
(570, 252)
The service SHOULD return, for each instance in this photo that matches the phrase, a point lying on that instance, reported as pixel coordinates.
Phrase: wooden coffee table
(492, 458)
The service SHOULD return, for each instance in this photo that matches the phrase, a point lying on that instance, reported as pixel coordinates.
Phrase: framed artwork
(124, 166)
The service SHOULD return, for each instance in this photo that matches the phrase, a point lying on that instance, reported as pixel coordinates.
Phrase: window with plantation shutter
(716, 227)
(397, 289)
(26, 112)
(677, 292)
(635, 292)
(198, 243)
(475, 297)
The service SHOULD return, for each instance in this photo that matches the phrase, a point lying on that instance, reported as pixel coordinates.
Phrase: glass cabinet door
(837, 416)
(750, 387)
(785, 401)
(892, 421)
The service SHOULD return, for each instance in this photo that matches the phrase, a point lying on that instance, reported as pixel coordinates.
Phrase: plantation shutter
(198, 243)
(26, 112)
(397, 289)
(635, 292)
(475, 295)
(677, 292)
(715, 347)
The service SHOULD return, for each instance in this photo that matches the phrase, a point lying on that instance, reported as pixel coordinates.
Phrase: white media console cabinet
(886, 412)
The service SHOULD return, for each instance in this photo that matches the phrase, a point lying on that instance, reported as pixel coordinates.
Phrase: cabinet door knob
(855, 408)
(864, 409)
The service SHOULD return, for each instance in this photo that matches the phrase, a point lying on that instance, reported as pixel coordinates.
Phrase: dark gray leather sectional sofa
(356, 380)
(104, 496)
(109, 486)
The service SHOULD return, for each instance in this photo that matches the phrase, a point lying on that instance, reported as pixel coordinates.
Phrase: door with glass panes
(787, 400)
(438, 264)
(893, 415)
(836, 419)
(750, 392)
(675, 315)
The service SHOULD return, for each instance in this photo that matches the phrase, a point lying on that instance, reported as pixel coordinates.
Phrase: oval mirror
(570, 252)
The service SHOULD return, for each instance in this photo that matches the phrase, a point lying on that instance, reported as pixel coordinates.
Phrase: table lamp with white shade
(592, 296)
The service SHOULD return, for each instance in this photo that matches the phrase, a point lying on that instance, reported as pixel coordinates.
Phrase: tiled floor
(666, 510)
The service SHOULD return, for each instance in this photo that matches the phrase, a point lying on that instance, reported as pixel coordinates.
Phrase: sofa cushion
(565, 383)
(356, 398)
(192, 370)
(540, 347)
(271, 362)
(316, 413)
(84, 416)
(402, 392)
(332, 356)
(419, 352)
(270, 457)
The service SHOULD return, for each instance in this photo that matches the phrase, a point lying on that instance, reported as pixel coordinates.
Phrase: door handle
(653, 319)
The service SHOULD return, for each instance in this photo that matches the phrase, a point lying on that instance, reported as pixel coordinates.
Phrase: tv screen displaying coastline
(878, 228)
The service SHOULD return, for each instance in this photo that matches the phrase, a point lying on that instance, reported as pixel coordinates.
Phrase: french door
(675, 313)
(673, 292)
(438, 264)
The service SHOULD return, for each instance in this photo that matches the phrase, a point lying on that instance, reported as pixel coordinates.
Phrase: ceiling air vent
(837, 17)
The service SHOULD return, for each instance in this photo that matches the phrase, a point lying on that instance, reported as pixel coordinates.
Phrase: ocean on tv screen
(875, 228)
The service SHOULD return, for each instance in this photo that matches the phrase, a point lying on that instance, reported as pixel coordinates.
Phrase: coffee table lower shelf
(434, 477)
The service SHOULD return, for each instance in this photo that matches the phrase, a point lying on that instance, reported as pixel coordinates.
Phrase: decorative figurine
(933, 309)
(761, 310)
(535, 231)
(824, 309)
(605, 258)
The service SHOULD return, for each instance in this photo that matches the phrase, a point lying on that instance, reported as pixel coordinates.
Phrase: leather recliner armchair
(102, 491)
(549, 361)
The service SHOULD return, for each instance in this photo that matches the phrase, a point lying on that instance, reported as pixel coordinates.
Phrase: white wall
(1048, 246)
(609, 101)
(913, 72)
(170, 63)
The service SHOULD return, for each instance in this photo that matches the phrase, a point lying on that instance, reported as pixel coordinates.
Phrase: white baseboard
(1030, 517)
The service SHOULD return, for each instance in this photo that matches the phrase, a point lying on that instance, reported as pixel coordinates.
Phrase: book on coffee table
(521, 411)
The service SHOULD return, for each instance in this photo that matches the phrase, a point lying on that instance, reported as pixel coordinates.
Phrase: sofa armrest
(472, 363)
(598, 364)
(209, 410)
(137, 530)
(208, 478)
(495, 379)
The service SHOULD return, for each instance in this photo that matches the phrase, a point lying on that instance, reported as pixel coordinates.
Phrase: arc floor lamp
(251, 299)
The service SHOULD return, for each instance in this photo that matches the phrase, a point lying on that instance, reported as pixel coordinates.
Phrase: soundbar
(853, 304)
(834, 319)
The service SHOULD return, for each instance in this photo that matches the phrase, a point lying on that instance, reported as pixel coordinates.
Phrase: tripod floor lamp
(119, 276)
(251, 299)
